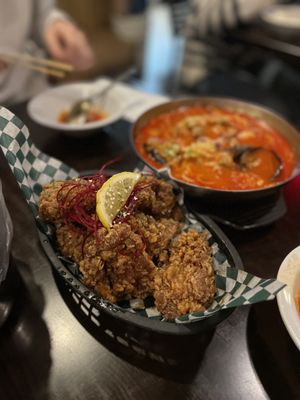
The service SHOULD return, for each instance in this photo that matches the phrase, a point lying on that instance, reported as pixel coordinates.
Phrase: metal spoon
(241, 153)
(81, 107)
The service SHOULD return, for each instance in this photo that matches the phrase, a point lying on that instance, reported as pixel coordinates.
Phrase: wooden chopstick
(43, 65)
(37, 60)
(47, 71)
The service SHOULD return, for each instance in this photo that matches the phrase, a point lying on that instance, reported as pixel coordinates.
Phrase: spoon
(81, 107)
(244, 156)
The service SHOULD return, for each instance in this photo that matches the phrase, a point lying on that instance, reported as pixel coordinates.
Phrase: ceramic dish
(213, 194)
(289, 273)
(284, 18)
(46, 107)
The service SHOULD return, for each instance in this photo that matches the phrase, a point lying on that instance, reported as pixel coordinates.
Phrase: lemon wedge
(113, 196)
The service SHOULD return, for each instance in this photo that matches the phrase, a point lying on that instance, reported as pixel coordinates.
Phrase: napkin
(32, 169)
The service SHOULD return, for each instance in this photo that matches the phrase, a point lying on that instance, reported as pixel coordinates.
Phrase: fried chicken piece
(129, 268)
(48, 208)
(157, 234)
(131, 277)
(95, 276)
(157, 199)
(73, 245)
(187, 283)
(113, 262)
(48, 204)
(70, 242)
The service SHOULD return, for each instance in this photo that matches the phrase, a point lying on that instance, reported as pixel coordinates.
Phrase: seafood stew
(215, 147)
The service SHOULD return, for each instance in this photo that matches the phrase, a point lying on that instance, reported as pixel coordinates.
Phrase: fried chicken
(70, 242)
(113, 262)
(143, 254)
(156, 233)
(157, 199)
(48, 208)
(187, 283)
(48, 202)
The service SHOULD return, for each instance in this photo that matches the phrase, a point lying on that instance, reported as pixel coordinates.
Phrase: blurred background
(184, 47)
(115, 30)
(238, 48)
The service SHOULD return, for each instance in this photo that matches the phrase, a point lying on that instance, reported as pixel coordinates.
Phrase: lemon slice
(113, 195)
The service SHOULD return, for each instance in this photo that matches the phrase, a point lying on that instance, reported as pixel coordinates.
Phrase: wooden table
(49, 349)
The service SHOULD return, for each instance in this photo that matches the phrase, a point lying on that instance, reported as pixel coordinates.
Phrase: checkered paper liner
(33, 169)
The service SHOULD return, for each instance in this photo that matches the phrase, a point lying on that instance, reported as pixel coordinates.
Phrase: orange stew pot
(218, 144)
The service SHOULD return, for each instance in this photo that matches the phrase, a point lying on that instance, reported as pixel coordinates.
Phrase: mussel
(154, 154)
(249, 158)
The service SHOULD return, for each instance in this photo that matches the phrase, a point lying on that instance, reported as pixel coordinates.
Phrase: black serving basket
(214, 195)
(32, 169)
(69, 273)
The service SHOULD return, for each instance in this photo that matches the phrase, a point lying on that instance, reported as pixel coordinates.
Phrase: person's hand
(66, 43)
(3, 65)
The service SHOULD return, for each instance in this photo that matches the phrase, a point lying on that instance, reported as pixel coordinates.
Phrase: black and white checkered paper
(33, 169)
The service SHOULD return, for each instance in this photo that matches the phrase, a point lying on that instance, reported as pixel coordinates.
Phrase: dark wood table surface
(50, 349)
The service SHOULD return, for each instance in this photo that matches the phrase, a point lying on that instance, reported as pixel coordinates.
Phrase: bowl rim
(285, 298)
(230, 102)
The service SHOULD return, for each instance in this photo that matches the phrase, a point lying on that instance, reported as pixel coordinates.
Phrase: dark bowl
(271, 118)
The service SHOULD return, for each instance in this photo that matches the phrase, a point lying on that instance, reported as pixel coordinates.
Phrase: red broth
(297, 300)
(199, 144)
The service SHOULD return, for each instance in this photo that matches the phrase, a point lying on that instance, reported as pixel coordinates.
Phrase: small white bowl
(46, 107)
(289, 273)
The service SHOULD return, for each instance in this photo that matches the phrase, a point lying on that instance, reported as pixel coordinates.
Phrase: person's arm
(45, 13)
(62, 38)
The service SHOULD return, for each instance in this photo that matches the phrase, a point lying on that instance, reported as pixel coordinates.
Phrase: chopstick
(47, 71)
(43, 65)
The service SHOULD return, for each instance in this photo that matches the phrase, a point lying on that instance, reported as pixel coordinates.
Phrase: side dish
(93, 114)
(218, 148)
(140, 251)
(297, 300)
(289, 298)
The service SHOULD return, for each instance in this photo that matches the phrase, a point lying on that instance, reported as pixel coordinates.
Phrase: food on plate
(297, 300)
(215, 147)
(186, 283)
(92, 114)
(140, 251)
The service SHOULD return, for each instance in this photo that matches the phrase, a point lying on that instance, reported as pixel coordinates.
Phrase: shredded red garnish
(128, 208)
(74, 198)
